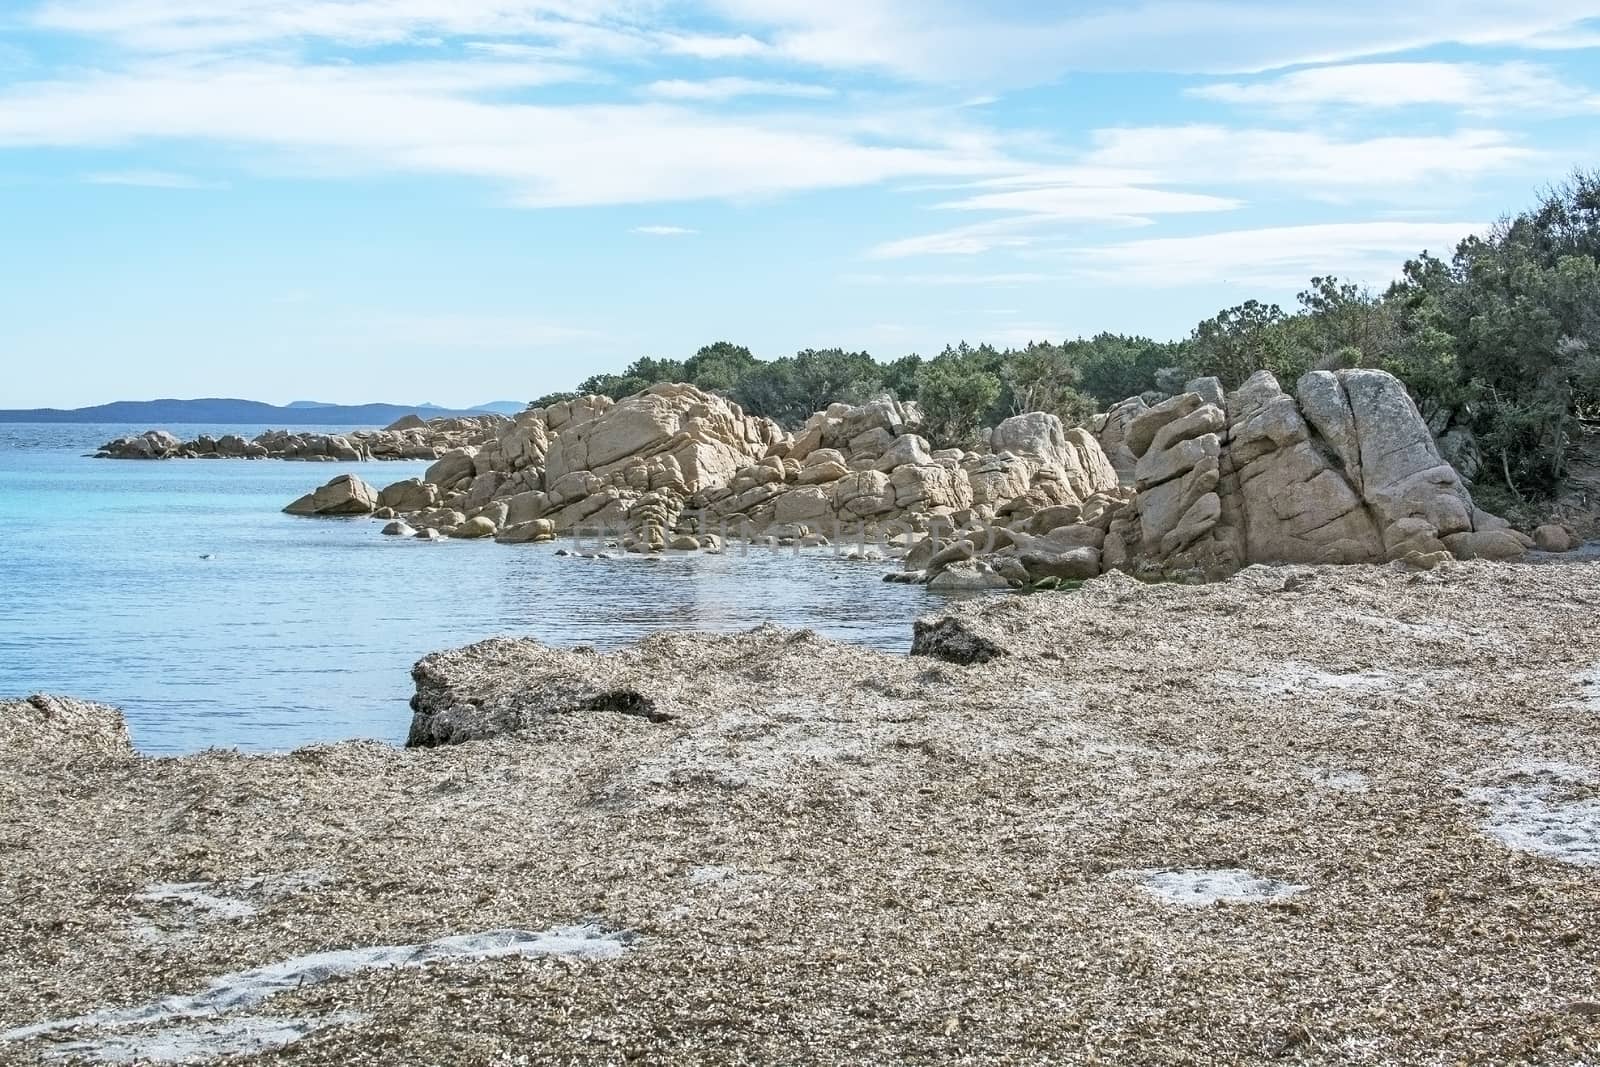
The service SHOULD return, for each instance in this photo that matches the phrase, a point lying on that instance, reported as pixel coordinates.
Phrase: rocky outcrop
(674, 466)
(1342, 470)
(409, 438)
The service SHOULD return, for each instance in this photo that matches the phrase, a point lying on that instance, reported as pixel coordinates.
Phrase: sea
(178, 591)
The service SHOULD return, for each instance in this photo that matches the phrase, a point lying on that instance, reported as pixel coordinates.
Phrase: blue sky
(464, 200)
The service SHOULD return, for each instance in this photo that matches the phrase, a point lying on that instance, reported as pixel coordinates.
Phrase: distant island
(217, 410)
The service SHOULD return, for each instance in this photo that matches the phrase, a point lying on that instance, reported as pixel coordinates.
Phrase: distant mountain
(504, 407)
(159, 413)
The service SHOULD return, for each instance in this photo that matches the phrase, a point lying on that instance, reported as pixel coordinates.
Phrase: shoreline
(831, 853)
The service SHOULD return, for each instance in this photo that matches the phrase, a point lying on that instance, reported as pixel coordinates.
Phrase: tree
(1244, 339)
(1112, 367)
(957, 391)
(718, 367)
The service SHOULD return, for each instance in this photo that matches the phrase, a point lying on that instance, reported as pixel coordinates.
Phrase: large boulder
(1555, 537)
(1401, 473)
(1296, 504)
(344, 495)
(412, 494)
(452, 467)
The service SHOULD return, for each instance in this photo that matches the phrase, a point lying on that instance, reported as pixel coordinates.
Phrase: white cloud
(1006, 42)
(1045, 209)
(177, 25)
(1306, 159)
(1478, 88)
(706, 46)
(1120, 204)
(1278, 256)
(664, 231)
(424, 118)
(730, 88)
(152, 179)
(1023, 42)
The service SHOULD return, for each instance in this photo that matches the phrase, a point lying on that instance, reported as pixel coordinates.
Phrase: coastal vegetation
(1498, 343)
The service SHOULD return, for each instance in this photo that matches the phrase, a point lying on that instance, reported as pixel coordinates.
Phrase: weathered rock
(413, 495)
(480, 526)
(399, 528)
(1486, 544)
(1113, 436)
(344, 495)
(1295, 504)
(452, 467)
(1207, 389)
(968, 575)
(1144, 426)
(532, 530)
(1554, 537)
(1402, 473)
(1071, 563)
(1157, 466)
(863, 494)
(905, 449)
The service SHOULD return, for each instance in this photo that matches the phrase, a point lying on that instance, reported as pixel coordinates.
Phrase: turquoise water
(299, 630)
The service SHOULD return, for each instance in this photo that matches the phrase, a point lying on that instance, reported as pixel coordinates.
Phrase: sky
(456, 201)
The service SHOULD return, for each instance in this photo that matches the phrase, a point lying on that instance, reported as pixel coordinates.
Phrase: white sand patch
(1337, 780)
(196, 895)
(1549, 808)
(242, 990)
(1293, 676)
(203, 1040)
(1198, 886)
(712, 875)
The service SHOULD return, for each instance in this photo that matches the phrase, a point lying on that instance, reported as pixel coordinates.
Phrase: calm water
(299, 630)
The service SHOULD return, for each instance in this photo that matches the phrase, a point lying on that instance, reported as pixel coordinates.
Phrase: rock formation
(674, 466)
(1196, 485)
(407, 438)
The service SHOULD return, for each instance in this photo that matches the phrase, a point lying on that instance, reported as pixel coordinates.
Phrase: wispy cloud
(730, 88)
(427, 118)
(1476, 88)
(1306, 159)
(946, 41)
(664, 231)
(935, 41)
(153, 179)
(1045, 209)
(1279, 256)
